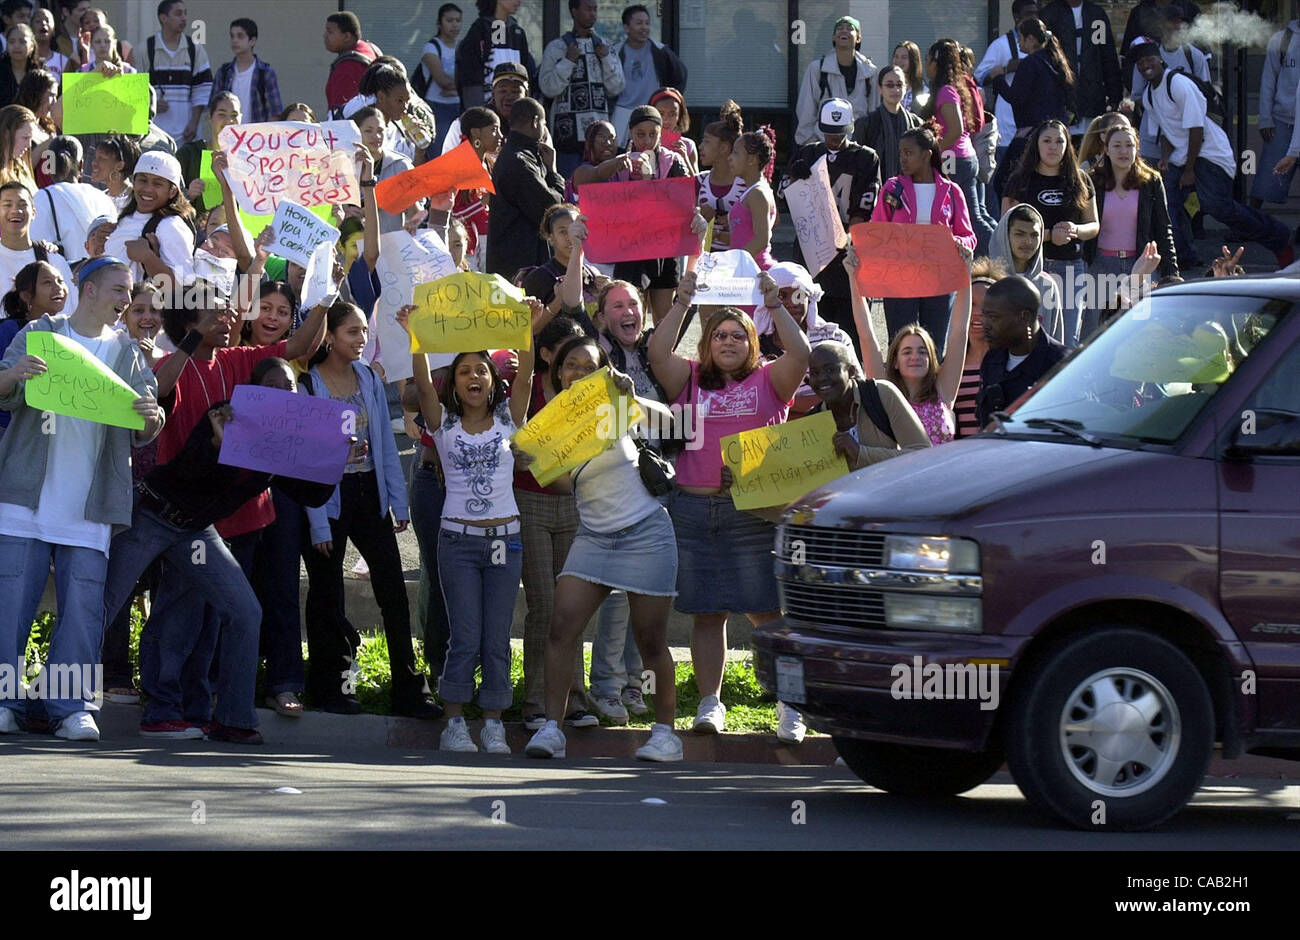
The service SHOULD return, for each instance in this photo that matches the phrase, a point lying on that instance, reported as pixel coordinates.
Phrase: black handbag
(656, 472)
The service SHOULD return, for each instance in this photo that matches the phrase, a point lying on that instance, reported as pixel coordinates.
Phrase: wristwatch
(368, 184)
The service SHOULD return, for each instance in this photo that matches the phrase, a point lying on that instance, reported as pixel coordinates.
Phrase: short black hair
(569, 345)
(10, 7)
(1019, 291)
(1018, 6)
(178, 319)
(164, 7)
(68, 158)
(633, 10)
(524, 110)
(445, 9)
(266, 365)
(346, 21)
(247, 25)
(16, 184)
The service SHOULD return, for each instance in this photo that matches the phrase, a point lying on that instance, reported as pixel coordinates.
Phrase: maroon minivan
(1095, 590)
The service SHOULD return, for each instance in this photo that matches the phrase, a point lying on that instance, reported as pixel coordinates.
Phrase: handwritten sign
(253, 224)
(298, 232)
(211, 188)
(727, 277)
(640, 220)
(901, 260)
(404, 261)
(290, 435)
(460, 168)
(580, 423)
(816, 218)
(774, 466)
(285, 160)
(97, 104)
(470, 311)
(77, 384)
(318, 276)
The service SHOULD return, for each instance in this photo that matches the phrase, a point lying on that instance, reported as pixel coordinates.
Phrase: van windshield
(1153, 371)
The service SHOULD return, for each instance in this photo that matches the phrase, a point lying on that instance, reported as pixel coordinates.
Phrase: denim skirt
(640, 559)
(725, 557)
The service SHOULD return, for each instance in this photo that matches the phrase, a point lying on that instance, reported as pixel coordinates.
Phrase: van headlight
(928, 612)
(937, 553)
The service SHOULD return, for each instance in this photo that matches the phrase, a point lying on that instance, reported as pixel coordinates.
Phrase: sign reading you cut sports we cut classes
(309, 164)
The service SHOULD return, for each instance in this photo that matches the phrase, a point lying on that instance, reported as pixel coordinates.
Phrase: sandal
(286, 704)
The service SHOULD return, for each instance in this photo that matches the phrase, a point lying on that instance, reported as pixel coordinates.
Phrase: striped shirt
(182, 87)
(964, 409)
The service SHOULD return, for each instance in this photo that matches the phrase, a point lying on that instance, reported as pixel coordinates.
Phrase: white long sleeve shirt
(999, 56)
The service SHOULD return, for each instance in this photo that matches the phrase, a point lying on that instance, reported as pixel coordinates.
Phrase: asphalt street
(194, 795)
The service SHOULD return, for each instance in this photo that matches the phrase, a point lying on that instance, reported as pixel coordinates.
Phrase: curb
(338, 734)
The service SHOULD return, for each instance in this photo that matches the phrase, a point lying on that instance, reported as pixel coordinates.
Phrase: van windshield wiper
(1065, 426)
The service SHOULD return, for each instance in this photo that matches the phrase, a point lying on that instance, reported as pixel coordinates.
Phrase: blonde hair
(113, 56)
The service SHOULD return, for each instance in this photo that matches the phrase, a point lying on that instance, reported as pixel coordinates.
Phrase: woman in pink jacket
(922, 195)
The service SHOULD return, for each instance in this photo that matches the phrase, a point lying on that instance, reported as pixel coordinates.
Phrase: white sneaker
(711, 717)
(493, 737)
(78, 726)
(635, 702)
(610, 708)
(549, 742)
(663, 745)
(535, 722)
(455, 738)
(9, 722)
(790, 727)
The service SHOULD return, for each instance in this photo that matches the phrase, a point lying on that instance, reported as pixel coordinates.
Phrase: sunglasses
(740, 336)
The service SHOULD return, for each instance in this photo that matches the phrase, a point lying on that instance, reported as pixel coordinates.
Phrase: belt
(1117, 254)
(484, 531)
(165, 510)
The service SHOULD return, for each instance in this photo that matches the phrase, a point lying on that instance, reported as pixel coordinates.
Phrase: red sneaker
(171, 728)
(219, 732)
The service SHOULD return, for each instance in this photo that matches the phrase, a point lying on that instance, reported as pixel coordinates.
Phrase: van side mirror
(1276, 433)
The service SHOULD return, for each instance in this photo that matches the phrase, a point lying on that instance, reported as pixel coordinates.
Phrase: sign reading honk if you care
(298, 233)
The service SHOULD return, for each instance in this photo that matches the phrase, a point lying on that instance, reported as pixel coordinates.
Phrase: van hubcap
(1120, 731)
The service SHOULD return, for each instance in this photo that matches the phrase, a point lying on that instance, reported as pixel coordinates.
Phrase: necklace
(203, 385)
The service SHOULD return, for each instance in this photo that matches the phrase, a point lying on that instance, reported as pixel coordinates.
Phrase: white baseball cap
(161, 164)
(836, 117)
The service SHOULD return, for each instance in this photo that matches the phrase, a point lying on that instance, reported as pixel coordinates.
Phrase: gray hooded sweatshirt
(1049, 312)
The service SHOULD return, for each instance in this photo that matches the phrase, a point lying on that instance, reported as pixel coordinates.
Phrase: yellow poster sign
(774, 466)
(468, 311)
(578, 424)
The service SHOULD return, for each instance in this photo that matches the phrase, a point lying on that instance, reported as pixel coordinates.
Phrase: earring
(455, 399)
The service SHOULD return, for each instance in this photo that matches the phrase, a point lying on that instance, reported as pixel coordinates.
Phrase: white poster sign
(404, 262)
(816, 218)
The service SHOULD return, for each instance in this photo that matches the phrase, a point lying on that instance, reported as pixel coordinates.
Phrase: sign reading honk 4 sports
(467, 312)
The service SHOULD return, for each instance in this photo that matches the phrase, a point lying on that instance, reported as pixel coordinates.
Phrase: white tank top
(478, 468)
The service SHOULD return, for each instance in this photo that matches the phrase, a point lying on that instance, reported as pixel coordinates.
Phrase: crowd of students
(125, 258)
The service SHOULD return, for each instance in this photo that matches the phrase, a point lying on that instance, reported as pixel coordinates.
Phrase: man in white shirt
(178, 67)
(17, 250)
(1198, 157)
(64, 484)
(1005, 53)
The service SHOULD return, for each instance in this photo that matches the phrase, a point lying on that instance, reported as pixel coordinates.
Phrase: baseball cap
(1142, 47)
(836, 117)
(160, 164)
(857, 27)
(97, 222)
(509, 71)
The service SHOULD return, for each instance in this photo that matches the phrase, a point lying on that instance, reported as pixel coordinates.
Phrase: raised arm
(955, 360)
(672, 371)
(307, 338)
(369, 211)
(602, 172)
(239, 236)
(521, 389)
(873, 361)
(788, 371)
(430, 404)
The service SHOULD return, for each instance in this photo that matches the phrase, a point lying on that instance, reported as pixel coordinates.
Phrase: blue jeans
(427, 497)
(967, 177)
(1069, 278)
(443, 116)
(480, 581)
(932, 313)
(1214, 192)
(1269, 187)
(615, 660)
(199, 566)
(79, 629)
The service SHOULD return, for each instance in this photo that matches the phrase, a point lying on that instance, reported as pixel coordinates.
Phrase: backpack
(156, 219)
(1214, 104)
(152, 45)
(824, 87)
(874, 406)
(420, 77)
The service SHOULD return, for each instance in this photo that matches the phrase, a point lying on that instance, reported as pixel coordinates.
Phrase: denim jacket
(383, 451)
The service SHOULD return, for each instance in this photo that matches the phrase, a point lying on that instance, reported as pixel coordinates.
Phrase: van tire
(917, 771)
(1156, 726)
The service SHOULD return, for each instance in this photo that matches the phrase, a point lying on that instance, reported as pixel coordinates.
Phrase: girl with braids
(38, 289)
(960, 114)
(1049, 179)
(907, 58)
(719, 188)
(922, 194)
(753, 215)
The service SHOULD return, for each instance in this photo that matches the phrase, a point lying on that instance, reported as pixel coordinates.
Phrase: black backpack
(873, 405)
(156, 219)
(151, 44)
(992, 100)
(420, 77)
(1214, 104)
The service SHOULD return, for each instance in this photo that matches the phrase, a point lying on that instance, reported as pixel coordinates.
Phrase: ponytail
(24, 282)
(927, 137)
(1033, 28)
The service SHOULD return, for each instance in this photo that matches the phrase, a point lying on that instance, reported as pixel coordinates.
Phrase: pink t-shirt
(948, 94)
(715, 413)
(741, 222)
(1119, 222)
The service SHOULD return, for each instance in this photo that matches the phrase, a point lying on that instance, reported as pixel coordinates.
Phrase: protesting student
(725, 554)
(67, 206)
(439, 71)
(43, 29)
(225, 110)
(911, 363)
(844, 72)
(1049, 179)
(1093, 145)
(921, 194)
(719, 188)
(471, 207)
(372, 124)
(526, 186)
(883, 128)
(541, 281)
(752, 217)
(600, 159)
(17, 249)
(63, 494)
(625, 542)
(253, 82)
(677, 121)
(984, 273)
(1020, 352)
(907, 59)
(1017, 246)
(480, 551)
(105, 57)
(38, 290)
(113, 166)
(158, 208)
(18, 127)
(19, 59)
(487, 46)
(1134, 212)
